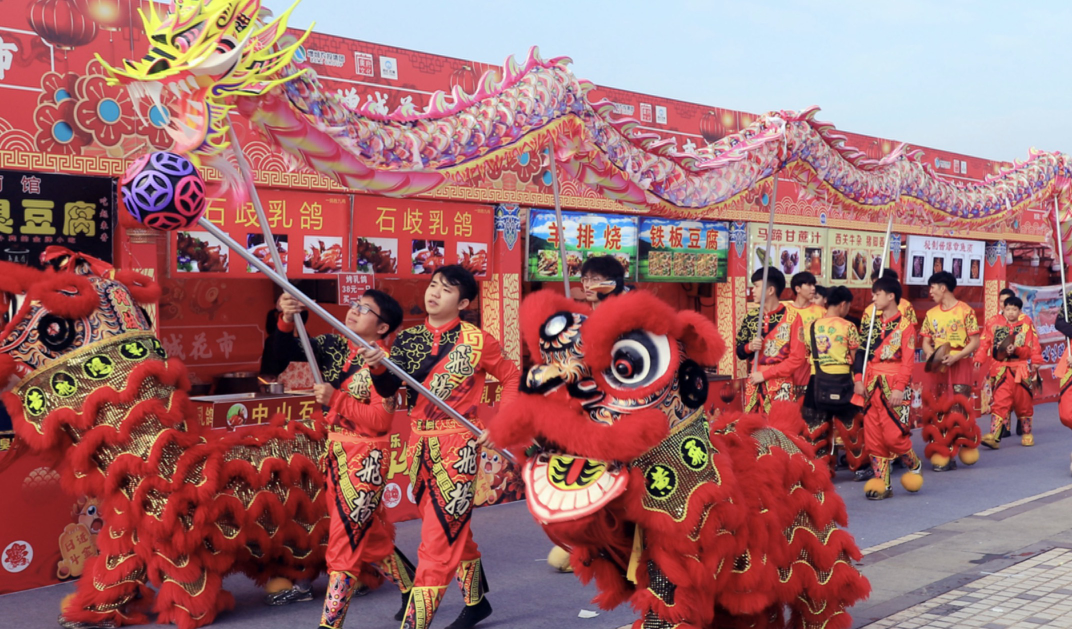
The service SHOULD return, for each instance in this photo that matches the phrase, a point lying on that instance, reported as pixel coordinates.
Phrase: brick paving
(1033, 593)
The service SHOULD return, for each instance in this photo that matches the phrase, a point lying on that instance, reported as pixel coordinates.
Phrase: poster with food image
(583, 236)
(794, 249)
(377, 255)
(474, 257)
(683, 250)
(428, 255)
(256, 246)
(323, 254)
(962, 258)
(854, 255)
(200, 252)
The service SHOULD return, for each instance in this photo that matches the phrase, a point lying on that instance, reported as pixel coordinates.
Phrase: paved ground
(992, 542)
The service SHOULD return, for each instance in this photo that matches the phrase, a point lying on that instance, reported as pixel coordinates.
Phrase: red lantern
(715, 125)
(61, 23)
(465, 78)
(111, 15)
(728, 391)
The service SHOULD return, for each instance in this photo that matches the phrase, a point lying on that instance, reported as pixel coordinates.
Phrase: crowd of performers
(804, 350)
(808, 353)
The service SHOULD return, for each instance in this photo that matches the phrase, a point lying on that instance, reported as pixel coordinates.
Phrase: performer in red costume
(887, 434)
(358, 452)
(1013, 345)
(804, 304)
(986, 395)
(780, 344)
(452, 359)
(948, 420)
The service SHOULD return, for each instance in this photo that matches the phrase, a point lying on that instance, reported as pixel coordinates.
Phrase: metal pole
(1061, 260)
(874, 310)
(340, 327)
(558, 217)
(269, 241)
(766, 270)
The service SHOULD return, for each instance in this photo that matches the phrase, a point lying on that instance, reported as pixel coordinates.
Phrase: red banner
(413, 237)
(311, 231)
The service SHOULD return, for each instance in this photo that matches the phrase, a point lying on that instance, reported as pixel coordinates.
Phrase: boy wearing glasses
(601, 277)
(451, 359)
(358, 452)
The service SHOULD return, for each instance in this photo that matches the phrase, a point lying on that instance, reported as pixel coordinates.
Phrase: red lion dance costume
(182, 506)
(695, 525)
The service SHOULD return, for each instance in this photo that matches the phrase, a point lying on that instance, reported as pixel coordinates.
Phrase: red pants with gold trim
(886, 432)
(1010, 396)
(948, 415)
(444, 465)
(359, 534)
(758, 398)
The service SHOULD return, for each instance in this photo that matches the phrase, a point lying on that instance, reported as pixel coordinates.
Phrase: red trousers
(885, 426)
(1010, 396)
(437, 558)
(359, 533)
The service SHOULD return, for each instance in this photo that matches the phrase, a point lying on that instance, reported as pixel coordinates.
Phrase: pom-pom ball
(164, 191)
(911, 481)
(969, 457)
(278, 584)
(875, 486)
(939, 460)
(559, 559)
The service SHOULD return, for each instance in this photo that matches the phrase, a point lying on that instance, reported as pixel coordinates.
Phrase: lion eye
(638, 359)
(555, 325)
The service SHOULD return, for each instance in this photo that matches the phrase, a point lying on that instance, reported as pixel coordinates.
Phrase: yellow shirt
(907, 311)
(835, 340)
(954, 326)
(812, 312)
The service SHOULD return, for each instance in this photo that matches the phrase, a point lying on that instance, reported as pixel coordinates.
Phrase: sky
(981, 78)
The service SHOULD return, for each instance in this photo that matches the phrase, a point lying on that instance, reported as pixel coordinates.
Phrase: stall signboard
(928, 255)
(245, 410)
(311, 231)
(409, 238)
(852, 256)
(584, 236)
(41, 210)
(353, 285)
(683, 250)
(794, 249)
(1043, 304)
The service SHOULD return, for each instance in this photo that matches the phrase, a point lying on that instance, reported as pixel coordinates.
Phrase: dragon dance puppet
(696, 525)
(182, 506)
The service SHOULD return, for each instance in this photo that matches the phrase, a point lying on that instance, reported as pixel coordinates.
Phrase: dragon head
(204, 52)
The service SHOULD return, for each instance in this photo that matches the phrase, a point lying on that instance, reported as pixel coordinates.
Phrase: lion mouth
(562, 487)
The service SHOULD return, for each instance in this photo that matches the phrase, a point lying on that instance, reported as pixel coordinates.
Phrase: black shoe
(296, 594)
(471, 615)
(402, 610)
(948, 467)
(875, 495)
(864, 474)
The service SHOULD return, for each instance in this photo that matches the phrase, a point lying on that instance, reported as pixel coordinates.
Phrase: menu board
(584, 236)
(683, 251)
(928, 255)
(413, 237)
(853, 256)
(39, 210)
(793, 250)
(310, 231)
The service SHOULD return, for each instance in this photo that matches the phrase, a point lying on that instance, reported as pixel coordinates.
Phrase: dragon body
(225, 55)
(182, 506)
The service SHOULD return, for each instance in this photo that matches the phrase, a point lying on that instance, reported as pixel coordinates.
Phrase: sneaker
(864, 474)
(948, 467)
(296, 594)
(1027, 440)
(471, 615)
(874, 495)
(402, 610)
(990, 441)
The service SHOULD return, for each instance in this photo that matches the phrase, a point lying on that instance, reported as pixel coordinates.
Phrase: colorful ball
(911, 481)
(969, 457)
(164, 191)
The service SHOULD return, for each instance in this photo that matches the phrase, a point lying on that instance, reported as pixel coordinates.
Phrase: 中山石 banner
(585, 236)
(683, 250)
(38, 210)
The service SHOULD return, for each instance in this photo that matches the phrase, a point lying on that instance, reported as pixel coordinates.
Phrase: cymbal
(934, 363)
(1004, 349)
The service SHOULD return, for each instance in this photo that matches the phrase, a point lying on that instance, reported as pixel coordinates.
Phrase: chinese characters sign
(962, 258)
(584, 236)
(853, 256)
(414, 237)
(793, 250)
(683, 250)
(38, 210)
(353, 285)
(311, 232)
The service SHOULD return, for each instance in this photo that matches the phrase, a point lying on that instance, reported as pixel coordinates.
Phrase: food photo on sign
(683, 250)
(583, 236)
(377, 255)
(200, 252)
(428, 255)
(474, 257)
(793, 249)
(259, 249)
(928, 255)
(323, 254)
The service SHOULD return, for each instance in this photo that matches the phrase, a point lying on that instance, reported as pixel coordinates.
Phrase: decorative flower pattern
(105, 111)
(56, 87)
(56, 130)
